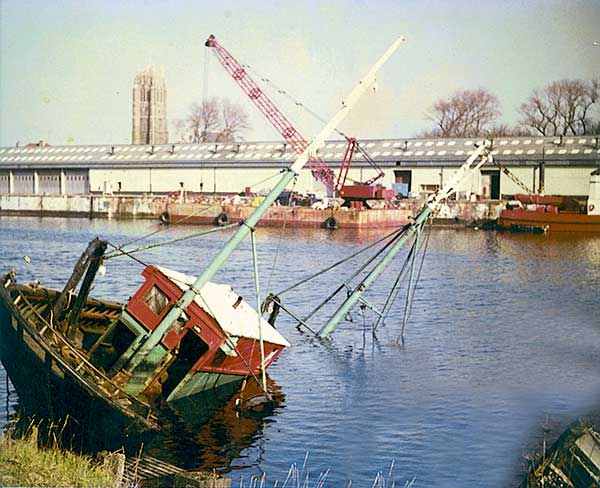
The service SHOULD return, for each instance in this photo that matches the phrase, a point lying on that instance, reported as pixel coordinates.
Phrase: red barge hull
(554, 222)
(351, 218)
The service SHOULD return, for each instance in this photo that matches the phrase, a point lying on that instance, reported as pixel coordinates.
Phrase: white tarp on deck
(218, 300)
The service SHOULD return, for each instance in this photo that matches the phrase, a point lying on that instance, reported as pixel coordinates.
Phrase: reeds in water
(299, 477)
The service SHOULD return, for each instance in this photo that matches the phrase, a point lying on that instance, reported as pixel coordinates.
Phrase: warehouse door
(4, 182)
(490, 184)
(24, 182)
(77, 181)
(49, 181)
(403, 182)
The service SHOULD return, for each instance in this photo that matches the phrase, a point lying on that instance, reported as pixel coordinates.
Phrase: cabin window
(156, 300)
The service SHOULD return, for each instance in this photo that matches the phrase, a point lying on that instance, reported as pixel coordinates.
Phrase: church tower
(149, 108)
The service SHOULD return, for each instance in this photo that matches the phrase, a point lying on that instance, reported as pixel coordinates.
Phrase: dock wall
(100, 206)
(151, 207)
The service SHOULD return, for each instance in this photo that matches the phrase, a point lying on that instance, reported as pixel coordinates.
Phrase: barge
(289, 216)
(555, 213)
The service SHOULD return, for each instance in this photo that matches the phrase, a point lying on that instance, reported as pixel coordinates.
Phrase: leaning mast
(250, 223)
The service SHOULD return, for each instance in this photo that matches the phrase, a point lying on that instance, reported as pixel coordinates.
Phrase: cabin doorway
(490, 184)
(189, 350)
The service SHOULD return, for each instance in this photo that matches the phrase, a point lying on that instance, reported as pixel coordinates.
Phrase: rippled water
(504, 334)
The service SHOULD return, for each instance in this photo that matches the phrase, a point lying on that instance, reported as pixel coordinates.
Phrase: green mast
(461, 174)
(249, 224)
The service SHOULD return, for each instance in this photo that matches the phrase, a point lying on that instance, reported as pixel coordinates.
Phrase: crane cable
(294, 100)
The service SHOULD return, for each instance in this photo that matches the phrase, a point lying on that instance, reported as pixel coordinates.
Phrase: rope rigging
(396, 288)
(388, 240)
(120, 251)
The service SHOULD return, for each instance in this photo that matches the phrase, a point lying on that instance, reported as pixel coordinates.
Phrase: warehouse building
(414, 167)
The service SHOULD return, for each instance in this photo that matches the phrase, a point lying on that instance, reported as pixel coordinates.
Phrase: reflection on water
(503, 335)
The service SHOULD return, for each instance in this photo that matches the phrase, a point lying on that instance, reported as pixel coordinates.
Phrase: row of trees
(562, 107)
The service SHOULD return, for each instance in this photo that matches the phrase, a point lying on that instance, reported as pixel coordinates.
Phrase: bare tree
(203, 119)
(562, 107)
(233, 119)
(466, 113)
(213, 120)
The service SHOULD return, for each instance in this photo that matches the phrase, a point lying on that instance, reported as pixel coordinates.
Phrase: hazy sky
(67, 68)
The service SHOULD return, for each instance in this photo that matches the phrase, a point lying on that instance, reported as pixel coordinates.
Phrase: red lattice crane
(319, 168)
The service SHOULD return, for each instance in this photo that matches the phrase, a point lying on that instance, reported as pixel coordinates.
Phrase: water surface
(504, 336)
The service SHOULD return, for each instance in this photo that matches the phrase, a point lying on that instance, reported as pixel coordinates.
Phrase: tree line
(563, 107)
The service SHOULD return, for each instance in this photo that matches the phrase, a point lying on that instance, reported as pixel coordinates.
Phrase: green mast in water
(481, 153)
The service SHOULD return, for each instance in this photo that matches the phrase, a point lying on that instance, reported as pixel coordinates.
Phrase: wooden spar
(255, 217)
(78, 270)
(432, 204)
(93, 265)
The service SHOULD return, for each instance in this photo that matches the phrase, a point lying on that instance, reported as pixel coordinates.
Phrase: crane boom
(319, 168)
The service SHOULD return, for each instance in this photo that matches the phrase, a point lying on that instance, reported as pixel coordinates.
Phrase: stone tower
(149, 108)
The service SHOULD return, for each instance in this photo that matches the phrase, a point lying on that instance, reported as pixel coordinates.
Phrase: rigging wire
(268, 178)
(393, 291)
(393, 236)
(163, 228)
(205, 69)
(117, 248)
(187, 217)
(417, 279)
(128, 252)
(280, 238)
(258, 312)
(340, 262)
(409, 292)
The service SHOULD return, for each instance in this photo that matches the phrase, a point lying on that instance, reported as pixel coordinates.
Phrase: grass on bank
(23, 463)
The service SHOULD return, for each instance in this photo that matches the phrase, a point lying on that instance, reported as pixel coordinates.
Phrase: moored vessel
(555, 213)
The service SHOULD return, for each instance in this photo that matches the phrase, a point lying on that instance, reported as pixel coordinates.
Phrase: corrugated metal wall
(49, 181)
(24, 182)
(4, 181)
(77, 181)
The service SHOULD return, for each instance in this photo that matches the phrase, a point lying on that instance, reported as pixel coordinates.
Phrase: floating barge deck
(277, 216)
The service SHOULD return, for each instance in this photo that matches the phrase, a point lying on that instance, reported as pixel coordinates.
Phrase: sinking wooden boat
(177, 337)
(74, 355)
(572, 461)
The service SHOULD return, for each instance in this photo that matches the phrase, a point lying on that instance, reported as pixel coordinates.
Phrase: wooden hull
(52, 384)
(554, 222)
(52, 396)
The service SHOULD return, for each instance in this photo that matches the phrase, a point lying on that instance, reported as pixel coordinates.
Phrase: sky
(67, 68)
